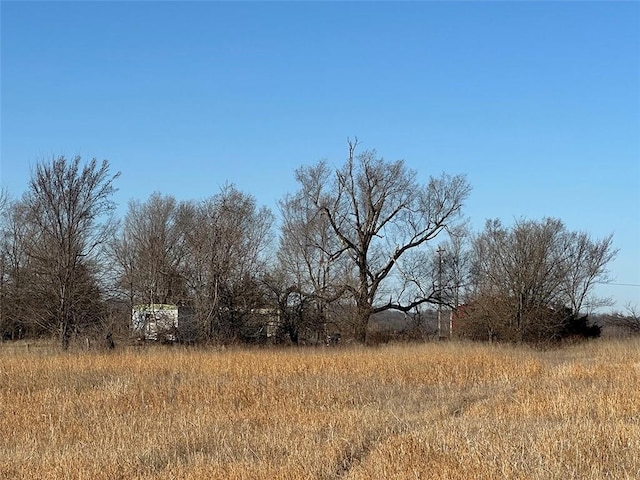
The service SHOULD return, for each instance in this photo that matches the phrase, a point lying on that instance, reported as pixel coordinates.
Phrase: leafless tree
(458, 256)
(449, 265)
(4, 200)
(226, 241)
(310, 267)
(586, 265)
(16, 275)
(3, 262)
(532, 272)
(4, 259)
(150, 249)
(70, 207)
(206, 255)
(378, 213)
(628, 320)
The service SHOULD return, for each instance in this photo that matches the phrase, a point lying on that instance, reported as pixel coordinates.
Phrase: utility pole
(440, 252)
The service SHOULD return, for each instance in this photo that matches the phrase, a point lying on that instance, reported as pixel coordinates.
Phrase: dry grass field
(433, 411)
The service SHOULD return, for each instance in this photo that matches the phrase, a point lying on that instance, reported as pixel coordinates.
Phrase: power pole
(440, 252)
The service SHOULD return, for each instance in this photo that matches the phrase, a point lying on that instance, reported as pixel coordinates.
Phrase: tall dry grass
(433, 411)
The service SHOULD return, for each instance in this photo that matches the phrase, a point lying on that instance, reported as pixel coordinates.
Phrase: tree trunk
(64, 334)
(294, 334)
(363, 313)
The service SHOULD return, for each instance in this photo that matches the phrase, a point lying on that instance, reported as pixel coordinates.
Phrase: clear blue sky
(538, 103)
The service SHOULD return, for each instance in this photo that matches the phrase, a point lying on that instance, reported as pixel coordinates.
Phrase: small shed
(163, 322)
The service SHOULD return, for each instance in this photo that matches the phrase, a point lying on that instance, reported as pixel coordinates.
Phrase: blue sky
(537, 103)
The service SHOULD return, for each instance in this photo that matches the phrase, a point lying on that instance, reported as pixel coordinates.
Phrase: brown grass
(432, 411)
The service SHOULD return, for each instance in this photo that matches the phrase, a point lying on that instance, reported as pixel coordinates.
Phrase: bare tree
(70, 206)
(449, 265)
(4, 200)
(150, 251)
(628, 321)
(536, 276)
(226, 239)
(4, 259)
(586, 265)
(16, 276)
(378, 213)
(459, 264)
(206, 255)
(310, 267)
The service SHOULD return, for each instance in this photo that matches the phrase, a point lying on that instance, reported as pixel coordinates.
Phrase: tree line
(351, 242)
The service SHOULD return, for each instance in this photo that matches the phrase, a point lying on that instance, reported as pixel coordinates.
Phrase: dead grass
(432, 411)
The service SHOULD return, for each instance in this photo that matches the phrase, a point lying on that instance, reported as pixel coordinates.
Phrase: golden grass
(432, 411)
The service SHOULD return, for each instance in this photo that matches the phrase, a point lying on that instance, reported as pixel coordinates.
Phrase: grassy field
(433, 411)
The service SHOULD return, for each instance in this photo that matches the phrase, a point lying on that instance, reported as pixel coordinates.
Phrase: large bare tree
(379, 214)
(536, 275)
(69, 205)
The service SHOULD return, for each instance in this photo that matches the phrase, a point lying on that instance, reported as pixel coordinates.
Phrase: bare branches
(70, 205)
(629, 320)
(537, 268)
(150, 250)
(376, 212)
